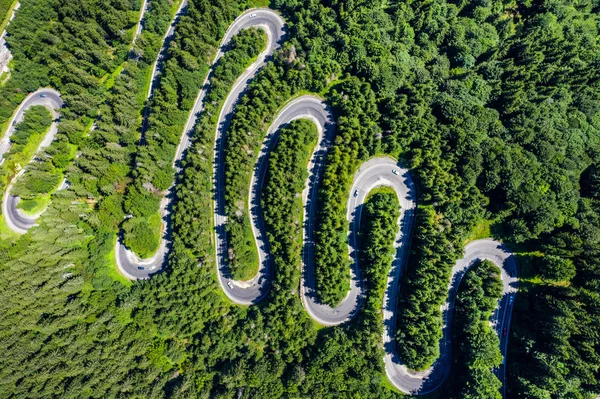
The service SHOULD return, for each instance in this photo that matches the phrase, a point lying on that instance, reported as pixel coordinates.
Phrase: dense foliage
(379, 226)
(281, 203)
(5, 7)
(154, 174)
(356, 112)
(26, 137)
(476, 345)
(492, 104)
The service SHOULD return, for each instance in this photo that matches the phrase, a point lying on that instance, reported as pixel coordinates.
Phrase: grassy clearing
(35, 206)
(112, 272)
(258, 3)
(109, 79)
(7, 236)
(379, 190)
(175, 7)
(482, 229)
(18, 160)
(4, 76)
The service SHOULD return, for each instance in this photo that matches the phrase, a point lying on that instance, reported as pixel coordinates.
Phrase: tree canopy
(493, 105)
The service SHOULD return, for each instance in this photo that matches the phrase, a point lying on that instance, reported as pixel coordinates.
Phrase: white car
(394, 171)
(230, 284)
(252, 15)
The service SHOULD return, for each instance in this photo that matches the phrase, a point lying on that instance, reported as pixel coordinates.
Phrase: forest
(493, 106)
(477, 345)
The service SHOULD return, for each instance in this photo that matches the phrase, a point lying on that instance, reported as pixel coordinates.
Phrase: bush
(140, 235)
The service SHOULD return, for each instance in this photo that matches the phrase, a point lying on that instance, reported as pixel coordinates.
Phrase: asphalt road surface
(5, 54)
(304, 107)
(374, 173)
(139, 27)
(49, 98)
(129, 264)
(427, 381)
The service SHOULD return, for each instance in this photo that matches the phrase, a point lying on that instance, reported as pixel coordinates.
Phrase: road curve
(425, 382)
(14, 217)
(377, 172)
(374, 173)
(129, 264)
(305, 107)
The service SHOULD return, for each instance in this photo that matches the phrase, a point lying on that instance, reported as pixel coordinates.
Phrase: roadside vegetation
(154, 173)
(476, 345)
(25, 140)
(378, 230)
(6, 7)
(32, 187)
(354, 104)
(281, 200)
(492, 105)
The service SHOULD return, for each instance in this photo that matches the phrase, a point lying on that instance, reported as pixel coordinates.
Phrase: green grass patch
(35, 206)
(109, 79)
(385, 382)
(24, 153)
(113, 271)
(482, 229)
(4, 76)
(379, 190)
(259, 3)
(175, 7)
(7, 236)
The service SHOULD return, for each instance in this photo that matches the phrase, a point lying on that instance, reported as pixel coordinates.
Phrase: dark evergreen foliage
(492, 104)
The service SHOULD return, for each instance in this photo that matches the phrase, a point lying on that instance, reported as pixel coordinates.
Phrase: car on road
(356, 193)
(504, 332)
(252, 15)
(43, 95)
(140, 267)
(510, 300)
(230, 285)
(395, 171)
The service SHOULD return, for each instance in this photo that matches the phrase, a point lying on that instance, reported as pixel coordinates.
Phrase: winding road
(374, 173)
(16, 220)
(49, 98)
(304, 107)
(428, 381)
(129, 264)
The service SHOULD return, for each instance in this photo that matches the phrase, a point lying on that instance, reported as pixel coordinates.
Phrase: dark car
(504, 332)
